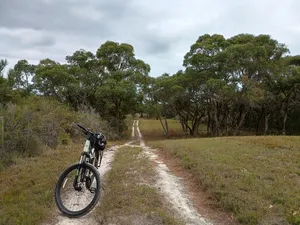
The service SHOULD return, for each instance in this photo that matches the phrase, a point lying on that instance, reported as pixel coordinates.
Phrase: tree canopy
(243, 83)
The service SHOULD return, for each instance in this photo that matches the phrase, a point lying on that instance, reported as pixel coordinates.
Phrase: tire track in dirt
(167, 184)
(172, 187)
(108, 157)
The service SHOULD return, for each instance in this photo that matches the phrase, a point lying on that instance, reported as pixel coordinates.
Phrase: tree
(123, 75)
(88, 75)
(5, 90)
(21, 75)
(285, 86)
(202, 62)
(53, 79)
(3, 64)
(249, 62)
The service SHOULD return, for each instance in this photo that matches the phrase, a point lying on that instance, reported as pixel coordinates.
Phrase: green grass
(153, 130)
(27, 188)
(128, 199)
(256, 178)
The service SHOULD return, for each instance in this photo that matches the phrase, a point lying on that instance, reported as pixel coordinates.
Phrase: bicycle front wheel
(78, 190)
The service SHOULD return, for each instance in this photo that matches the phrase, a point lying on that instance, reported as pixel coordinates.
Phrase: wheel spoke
(78, 201)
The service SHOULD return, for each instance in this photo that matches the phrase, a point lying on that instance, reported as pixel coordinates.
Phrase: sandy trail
(88, 219)
(172, 187)
(168, 184)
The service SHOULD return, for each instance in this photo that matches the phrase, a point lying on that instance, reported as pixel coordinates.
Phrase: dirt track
(167, 183)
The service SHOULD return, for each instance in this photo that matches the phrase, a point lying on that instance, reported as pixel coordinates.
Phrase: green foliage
(294, 219)
(37, 123)
(20, 76)
(245, 82)
(231, 83)
(123, 74)
(33, 124)
(3, 64)
(52, 79)
(5, 89)
(88, 117)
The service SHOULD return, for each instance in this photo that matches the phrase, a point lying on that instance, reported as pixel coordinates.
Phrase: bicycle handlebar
(86, 131)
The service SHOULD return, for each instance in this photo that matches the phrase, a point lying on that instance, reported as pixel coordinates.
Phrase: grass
(27, 188)
(128, 199)
(153, 130)
(256, 178)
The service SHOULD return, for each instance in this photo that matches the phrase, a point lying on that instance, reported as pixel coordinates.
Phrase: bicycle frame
(83, 175)
(84, 158)
(87, 156)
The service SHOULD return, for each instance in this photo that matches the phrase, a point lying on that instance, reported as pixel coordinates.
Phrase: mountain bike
(77, 190)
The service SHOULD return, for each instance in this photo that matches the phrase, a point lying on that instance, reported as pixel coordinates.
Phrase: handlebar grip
(85, 130)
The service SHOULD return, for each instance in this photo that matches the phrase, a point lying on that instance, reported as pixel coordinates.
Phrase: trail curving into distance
(169, 185)
(172, 187)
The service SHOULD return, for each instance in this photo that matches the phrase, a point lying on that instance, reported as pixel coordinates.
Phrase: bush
(34, 124)
(89, 118)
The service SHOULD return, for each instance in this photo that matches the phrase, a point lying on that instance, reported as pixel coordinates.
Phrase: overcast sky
(160, 31)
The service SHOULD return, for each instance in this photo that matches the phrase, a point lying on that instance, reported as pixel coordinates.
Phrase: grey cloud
(157, 47)
(160, 31)
(64, 16)
(26, 38)
(44, 41)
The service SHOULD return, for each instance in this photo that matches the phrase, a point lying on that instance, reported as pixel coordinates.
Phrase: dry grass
(27, 188)
(256, 178)
(128, 199)
(153, 130)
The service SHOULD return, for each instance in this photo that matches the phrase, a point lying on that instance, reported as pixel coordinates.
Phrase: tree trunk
(212, 125)
(183, 122)
(216, 120)
(164, 126)
(267, 116)
(195, 126)
(227, 128)
(258, 121)
(208, 131)
(241, 122)
(167, 127)
(284, 124)
(283, 111)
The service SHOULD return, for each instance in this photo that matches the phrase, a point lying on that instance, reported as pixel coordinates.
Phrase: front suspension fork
(75, 182)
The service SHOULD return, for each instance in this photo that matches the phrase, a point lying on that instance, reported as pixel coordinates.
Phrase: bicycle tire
(60, 181)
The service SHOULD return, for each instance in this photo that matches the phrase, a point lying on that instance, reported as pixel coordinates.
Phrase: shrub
(89, 118)
(33, 124)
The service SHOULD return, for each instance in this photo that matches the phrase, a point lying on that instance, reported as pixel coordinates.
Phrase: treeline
(40, 102)
(243, 83)
(108, 81)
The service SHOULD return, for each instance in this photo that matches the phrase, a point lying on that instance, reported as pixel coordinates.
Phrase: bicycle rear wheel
(77, 190)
